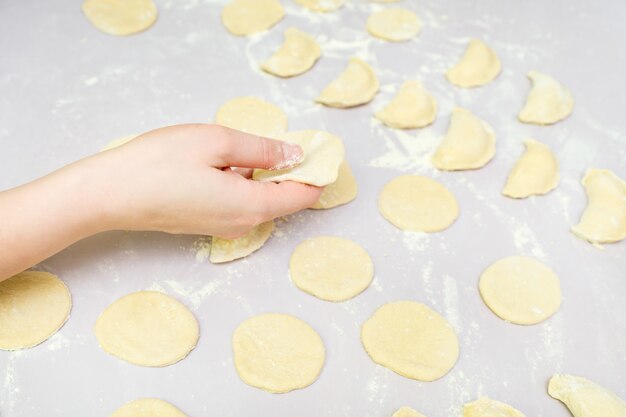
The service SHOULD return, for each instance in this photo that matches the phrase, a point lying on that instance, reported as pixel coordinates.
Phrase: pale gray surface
(67, 89)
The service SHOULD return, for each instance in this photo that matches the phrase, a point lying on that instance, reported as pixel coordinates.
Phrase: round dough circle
(120, 17)
(34, 305)
(245, 17)
(252, 115)
(323, 6)
(148, 407)
(147, 328)
(411, 339)
(277, 352)
(520, 290)
(396, 25)
(331, 268)
(416, 203)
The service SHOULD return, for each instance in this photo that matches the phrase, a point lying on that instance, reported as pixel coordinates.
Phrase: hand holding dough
(413, 107)
(340, 192)
(120, 17)
(536, 172)
(478, 66)
(296, 56)
(585, 398)
(252, 115)
(245, 17)
(548, 101)
(356, 85)
(226, 250)
(395, 25)
(486, 407)
(148, 407)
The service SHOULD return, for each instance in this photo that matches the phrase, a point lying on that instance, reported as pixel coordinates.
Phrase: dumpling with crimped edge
(585, 398)
(478, 66)
(340, 192)
(536, 172)
(486, 407)
(297, 55)
(548, 101)
(226, 250)
(356, 85)
(413, 107)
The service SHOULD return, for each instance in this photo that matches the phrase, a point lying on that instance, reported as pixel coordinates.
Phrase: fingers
(275, 200)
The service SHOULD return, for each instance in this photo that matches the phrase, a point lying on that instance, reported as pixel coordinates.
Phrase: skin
(176, 179)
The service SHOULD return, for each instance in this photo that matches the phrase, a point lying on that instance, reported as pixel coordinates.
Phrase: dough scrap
(407, 412)
(120, 17)
(245, 17)
(252, 115)
(416, 203)
(411, 339)
(520, 290)
(331, 268)
(116, 143)
(356, 85)
(340, 192)
(395, 25)
(322, 5)
(413, 107)
(536, 172)
(147, 328)
(34, 305)
(604, 219)
(323, 153)
(148, 407)
(548, 101)
(585, 398)
(469, 143)
(486, 407)
(296, 56)
(277, 353)
(478, 66)
(226, 250)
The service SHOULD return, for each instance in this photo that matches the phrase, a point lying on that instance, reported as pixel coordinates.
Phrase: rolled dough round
(120, 17)
(148, 407)
(245, 17)
(322, 5)
(342, 191)
(407, 412)
(396, 25)
(252, 115)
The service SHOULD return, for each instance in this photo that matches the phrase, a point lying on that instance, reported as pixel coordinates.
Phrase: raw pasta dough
(277, 353)
(116, 143)
(148, 407)
(536, 172)
(407, 412)
(245, 17)
(322, 5)
(147, 328)
(585, 398)
(34, 305)
(252, 115)
(356, 85)
(521, 290)
(478, 66)
(548, 101)
(296, 56)
(331, 268)
(120, 17)
(413, 107)
(416, 203)
(396, 25)
(342, 191)
(486, 407)
(226, 250)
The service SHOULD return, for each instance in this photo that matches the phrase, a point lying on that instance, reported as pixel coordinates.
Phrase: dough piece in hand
(486, 407)
(331, 268)
(395, 25)
(148, 407)
(604, 219)
(535, 173)
(147, 328)
(245, 17)
(120, 17)
(323, 153)
(548, 101)
(585, 398)
(342, 191)
(520, 290)
(226, 250)
(469, 143)
(34, 305)
(116, 143)
(356, 85)
(407, 412)
(322, 5)
(413, 107)
(478, 66)
(252, 115)
(419, 204)
(277, 353)
(296, 56)
(411, 340)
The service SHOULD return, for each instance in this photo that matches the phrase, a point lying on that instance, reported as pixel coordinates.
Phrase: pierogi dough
(486, 407)
(116, 143)
(356, 85)
(521, 290)
(120, 17)
(147, 328)
(407, 412)
(411, 340)
(585, 398)
(395, 25)
(34, 305)
(252, 115)
(340, 192)
(419, 204)
(478, 66)
(148, 407)
(548, 101)
(296, 56)
(322, 5)
(413, 107)
(245, 17)
(277, 353)
(226, 250)
(536, 172)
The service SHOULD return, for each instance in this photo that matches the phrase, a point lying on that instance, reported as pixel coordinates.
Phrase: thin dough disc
(296, 56)
(226, 250)
(411, 340)
(322, 5)
(604, 219)
(486, 407)
(413, 107)
(340, 192)
(331, 268)
(396, 25)
(277, 353)
(252, 115)
(469, 143)
(34, 305)
(116, 143)
(120, 17)
(521, 290)
(407, 412)
(148, 407)
(585, 398)
(245, 17)
(147, 328)
(548, 101)
(416, 203)
(478, 66)
(323, 153)
(536, 172)
(356, 85)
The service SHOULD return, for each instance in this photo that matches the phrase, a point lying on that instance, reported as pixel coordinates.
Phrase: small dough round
(340, 192)
(245, 17)
(277, 353)
(407, 412)
(486, 407)
(120, 17)
(34, 305)
(395, 25)
(356, 85)
(148, 407)
(411, 339)
(147, 328)
(226, 250)
(520, 290)
(419, 204)
(331, 268)
(322, 5)
(252, 115)
(296, 56)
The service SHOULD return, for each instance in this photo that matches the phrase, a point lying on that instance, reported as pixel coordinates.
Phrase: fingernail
(292, 156)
